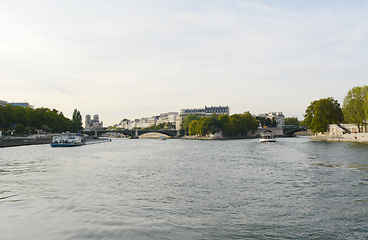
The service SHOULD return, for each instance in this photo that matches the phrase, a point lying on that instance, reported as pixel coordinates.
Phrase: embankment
(21, 141)
(350, 137)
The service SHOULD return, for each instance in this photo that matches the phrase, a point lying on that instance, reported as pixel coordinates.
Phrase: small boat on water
(67, 139)
(162, 137)
(267, 136)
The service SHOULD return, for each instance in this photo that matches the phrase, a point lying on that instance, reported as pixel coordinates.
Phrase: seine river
(185, 189)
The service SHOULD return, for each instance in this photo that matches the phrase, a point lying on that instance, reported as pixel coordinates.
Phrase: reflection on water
(185, 189)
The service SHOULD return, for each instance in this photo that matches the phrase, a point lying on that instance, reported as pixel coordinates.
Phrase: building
(93, 124)
(167, 117)
(22, 104)
(201, 112)
(148, 122)
(279, 118)
(206, 111)
(217, 110)
(15, 104)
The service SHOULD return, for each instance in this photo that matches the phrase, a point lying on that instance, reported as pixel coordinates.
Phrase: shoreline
(27, 141)
(349, 137)
(23, 141)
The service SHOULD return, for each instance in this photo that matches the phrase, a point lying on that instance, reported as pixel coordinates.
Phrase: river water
(185, 189)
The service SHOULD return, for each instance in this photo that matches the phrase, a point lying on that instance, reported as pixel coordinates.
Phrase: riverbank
(349, 137)
(216, 138)
(25, 141)
(21, 141)
(154, 135)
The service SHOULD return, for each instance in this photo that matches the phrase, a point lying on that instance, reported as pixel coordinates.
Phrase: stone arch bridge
(132, 133)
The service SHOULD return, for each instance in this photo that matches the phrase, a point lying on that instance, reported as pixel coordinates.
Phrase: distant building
(279, 118)
(22, 104)
(201, 112)
(206, 111)
(2, 102)
(93, 124)
(148, 122)
(87, 121)
(167, 117)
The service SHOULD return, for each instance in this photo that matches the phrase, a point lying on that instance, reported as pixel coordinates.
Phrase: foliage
(267, 122)
(185, 124)
(193, 126)
(262, 121)
(321, 113)
(366, 107)
(76, 122)
(235, 125)
(161, 126)
(19, 128)
(33, 119)
(292, 121)
(355, 107)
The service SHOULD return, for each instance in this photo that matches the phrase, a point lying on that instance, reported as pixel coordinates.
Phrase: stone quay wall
(20, 141)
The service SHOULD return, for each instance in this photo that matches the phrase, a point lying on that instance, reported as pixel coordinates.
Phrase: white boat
(162, 137)
(68, 140)
(267, 136)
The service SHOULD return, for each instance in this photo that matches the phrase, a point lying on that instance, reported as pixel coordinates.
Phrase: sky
(132, 59)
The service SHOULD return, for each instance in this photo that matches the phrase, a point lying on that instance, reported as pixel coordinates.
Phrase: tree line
(236, 125)
(323, 112)
(28, 120)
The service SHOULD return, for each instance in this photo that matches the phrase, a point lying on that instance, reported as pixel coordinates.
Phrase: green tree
(170, 125)
(215, 123)
(292, 121)
(161, 126)
(76, 122)
(354, 107)
(192, 128)
(261, 120)
(268, 122)
(226, 125)
(184, 126)
(321, 113)
(19, 128)
(366, 107)
(204, 126)
(33, 119)
(251, 122)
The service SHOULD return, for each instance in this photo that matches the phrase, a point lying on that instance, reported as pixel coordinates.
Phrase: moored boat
(267, 136)
(67, 139)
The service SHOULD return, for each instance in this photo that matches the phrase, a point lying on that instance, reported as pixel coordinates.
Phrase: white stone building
(279, 118)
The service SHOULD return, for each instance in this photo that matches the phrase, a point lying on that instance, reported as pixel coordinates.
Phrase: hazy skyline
(133, 59)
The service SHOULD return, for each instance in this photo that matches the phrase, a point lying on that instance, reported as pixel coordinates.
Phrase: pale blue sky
(133, 59)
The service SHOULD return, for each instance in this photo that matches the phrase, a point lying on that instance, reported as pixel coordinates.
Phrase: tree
(251, 122)
(366, 106)
(19, 128)
(261, 120)
(76, 122)
(268, 122)
(226, 125)
(354, 108)
(321, 113)
(292, 121)
(192, 128)
(185, 124)
(204, 126)
(215, 123)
